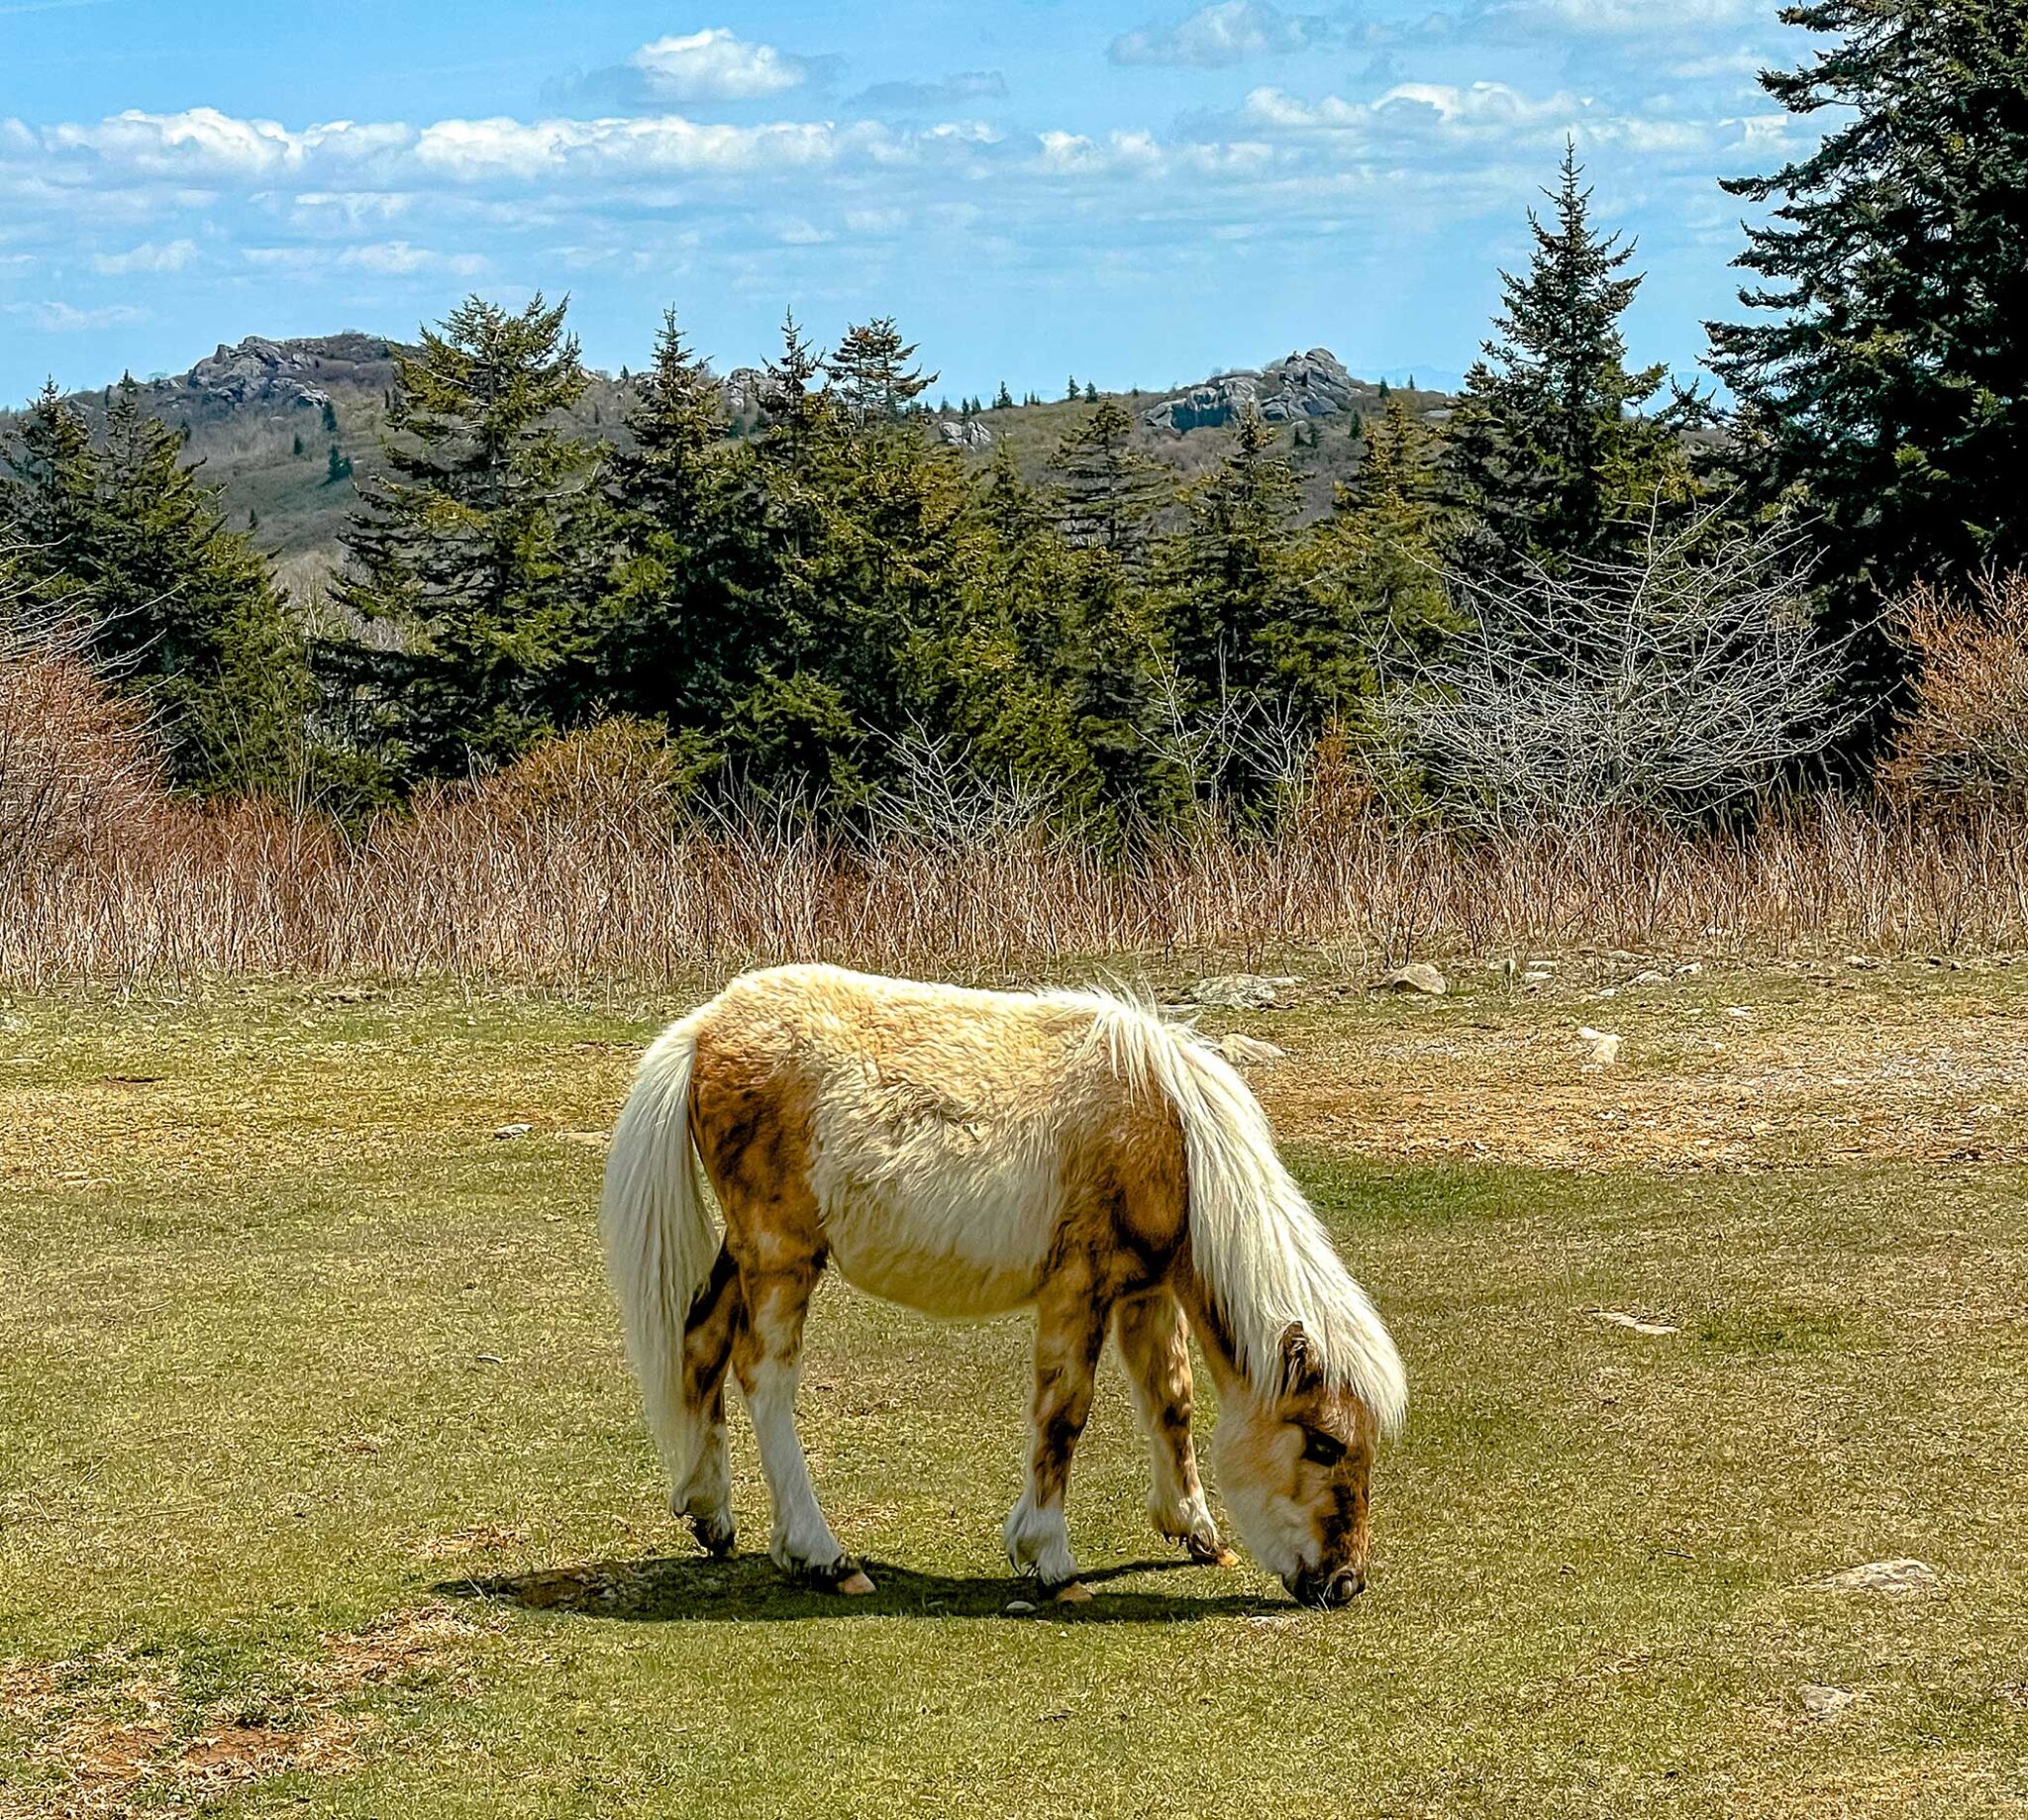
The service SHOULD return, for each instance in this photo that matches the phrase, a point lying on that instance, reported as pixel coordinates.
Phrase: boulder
(1417, 977)
(965, 433)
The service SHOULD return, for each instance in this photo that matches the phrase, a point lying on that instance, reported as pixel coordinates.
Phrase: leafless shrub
(1671, 684)
(1964, 740)
(76, 765)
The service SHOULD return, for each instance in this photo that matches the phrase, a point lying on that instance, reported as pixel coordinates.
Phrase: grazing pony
(968, 1152)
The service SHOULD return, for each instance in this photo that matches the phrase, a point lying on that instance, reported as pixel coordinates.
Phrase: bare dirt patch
(1704, 1080)
(116, 1735)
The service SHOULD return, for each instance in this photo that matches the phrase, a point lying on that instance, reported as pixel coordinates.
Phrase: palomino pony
(969, 1152)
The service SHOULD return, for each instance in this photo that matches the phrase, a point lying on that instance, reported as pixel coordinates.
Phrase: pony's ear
(1300, 1372)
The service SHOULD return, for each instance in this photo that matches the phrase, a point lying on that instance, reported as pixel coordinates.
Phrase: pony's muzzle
(1325, 1591)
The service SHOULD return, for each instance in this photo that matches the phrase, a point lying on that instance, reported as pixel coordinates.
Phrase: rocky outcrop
(287, 374)
(965, 433)
(1305, 385)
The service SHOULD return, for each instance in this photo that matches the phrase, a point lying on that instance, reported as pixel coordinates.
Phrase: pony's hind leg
(704, 1492)
(1070, 1330)
(767, 1356)
(1155, 1346)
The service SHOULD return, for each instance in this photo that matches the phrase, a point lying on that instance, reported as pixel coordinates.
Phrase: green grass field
(322, 1487)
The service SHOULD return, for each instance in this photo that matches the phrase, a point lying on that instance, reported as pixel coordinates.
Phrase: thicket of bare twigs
(589, 860)
(1965, 738)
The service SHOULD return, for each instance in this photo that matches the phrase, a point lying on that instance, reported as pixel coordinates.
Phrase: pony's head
(1294, 1458)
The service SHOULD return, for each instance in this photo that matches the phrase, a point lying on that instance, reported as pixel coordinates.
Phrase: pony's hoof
(1212, 1554)
(856, 1584)
(1076, 1592)
(714, 1535)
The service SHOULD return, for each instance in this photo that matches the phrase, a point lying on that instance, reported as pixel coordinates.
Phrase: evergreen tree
(1003, 400)
(1106, 491)
(1882, 374)
(679, 639)
(480, 549)
(1233, 582)
(1547, 444)
(1373, 590)
(184, 612)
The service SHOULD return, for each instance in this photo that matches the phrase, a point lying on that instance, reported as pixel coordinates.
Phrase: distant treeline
(795, 605)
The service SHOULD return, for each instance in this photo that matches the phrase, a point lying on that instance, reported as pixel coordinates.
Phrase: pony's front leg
(1155, 1346)
(767, 1356)
(1069, 1329)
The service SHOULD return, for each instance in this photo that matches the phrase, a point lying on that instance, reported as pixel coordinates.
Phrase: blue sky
(1137, 193)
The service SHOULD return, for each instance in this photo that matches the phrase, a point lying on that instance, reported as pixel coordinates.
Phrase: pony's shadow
(748, 1589)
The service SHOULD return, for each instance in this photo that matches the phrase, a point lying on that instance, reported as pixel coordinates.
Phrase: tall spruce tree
(1373, 591)
(482, 548)
(1231, 579)
(1549, 448)
(183, 611)
(679, 639)
(1881, 376)
(1107, 491)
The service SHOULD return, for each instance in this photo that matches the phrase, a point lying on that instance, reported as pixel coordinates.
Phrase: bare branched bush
(76, 763)
(1671, 684)
(1965, 738)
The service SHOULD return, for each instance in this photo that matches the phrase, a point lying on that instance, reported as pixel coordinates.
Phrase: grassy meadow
(323, 1490)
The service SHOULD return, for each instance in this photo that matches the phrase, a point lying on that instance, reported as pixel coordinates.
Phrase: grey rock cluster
(287, 373)
(965, 433)
(1305, 385)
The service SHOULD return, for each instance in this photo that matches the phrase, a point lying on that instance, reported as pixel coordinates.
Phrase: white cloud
(1226, 33)
(716, 65)
(1629, 18)
(388, 258)
(55, 317)
(149, 256)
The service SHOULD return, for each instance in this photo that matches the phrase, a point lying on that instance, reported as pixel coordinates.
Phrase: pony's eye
(1322, 1450)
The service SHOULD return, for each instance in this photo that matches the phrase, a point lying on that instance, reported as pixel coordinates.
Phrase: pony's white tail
(659, 1238)
(1262, 1252)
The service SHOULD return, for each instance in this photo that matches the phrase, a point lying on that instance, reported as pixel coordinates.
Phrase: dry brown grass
(586, 862)
(500, 883)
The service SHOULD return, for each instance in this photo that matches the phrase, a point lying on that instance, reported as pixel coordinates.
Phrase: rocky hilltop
(288, 429)
(286, 375)
(1302, 386)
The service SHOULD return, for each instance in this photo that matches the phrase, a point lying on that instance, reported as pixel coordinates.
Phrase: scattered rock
(1605, 1045)
(1738, 1011)
(1417, 977)
(1647, 977)
(513, 1131)
(1825, 1705)
(1249, 1051)
(1244, 991)
(1865, 962)
(965, 433)
(1633, 1323)
(1896, 1579)
(1690, 970)
(1016, 1607)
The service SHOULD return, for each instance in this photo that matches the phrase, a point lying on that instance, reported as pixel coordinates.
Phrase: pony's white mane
(1257, 1242)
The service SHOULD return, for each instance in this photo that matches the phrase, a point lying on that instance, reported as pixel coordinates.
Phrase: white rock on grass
(1244, 991)
(1417, 977)
(1612, 1317)
(1603, 1045)
(1647, 977)
(1825, 1705)
(1896, 1579)
(513, 1131)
